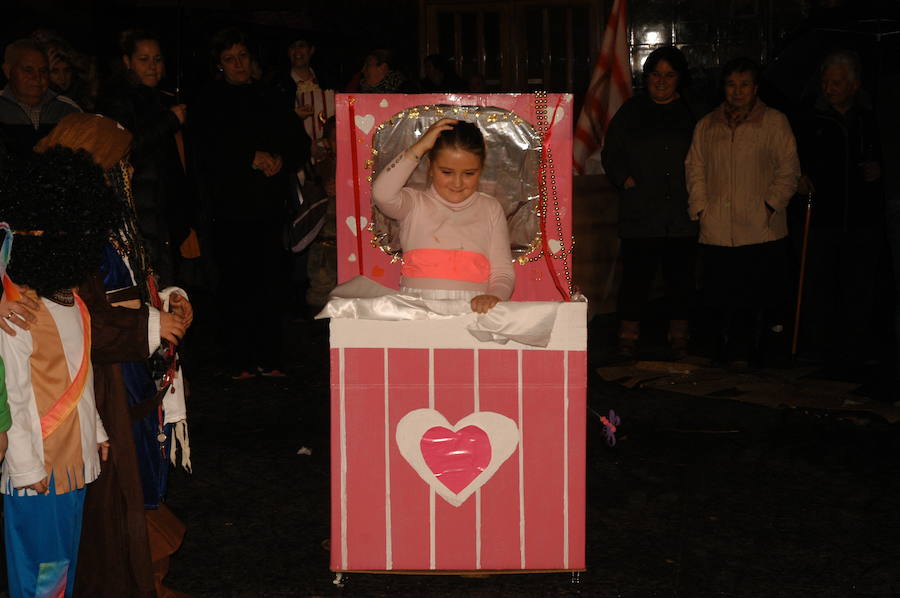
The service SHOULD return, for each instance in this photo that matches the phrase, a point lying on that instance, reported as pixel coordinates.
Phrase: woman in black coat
(250, 145)
(643, 155)
(163, 202)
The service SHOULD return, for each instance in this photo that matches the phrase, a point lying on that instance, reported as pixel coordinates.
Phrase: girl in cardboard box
(455, 239)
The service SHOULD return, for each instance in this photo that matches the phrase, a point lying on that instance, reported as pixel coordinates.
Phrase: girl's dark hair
(464, 136)
(64, 194)
(224, 39)
(676, 60)
(741, 65)
(129, 39)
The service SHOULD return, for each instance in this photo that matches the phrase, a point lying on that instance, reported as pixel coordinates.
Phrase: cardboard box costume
(458, 440)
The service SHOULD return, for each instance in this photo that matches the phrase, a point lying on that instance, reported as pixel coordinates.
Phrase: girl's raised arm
(387, 190)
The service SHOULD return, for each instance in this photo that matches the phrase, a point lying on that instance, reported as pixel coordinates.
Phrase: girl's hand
(103, 447)
(18, 313)
(180, 112)
(171, 327)
(182, 307)
(483, 303)
(39, 487)
(268, 163)
(424, 145)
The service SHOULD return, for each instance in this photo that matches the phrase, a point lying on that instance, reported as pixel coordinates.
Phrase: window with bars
(516, 45)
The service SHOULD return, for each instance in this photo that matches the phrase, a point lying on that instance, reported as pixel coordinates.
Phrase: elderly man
(840, 154)
(28, 108)
(741, 172)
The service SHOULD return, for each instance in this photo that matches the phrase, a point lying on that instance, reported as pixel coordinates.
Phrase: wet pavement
(699, 497)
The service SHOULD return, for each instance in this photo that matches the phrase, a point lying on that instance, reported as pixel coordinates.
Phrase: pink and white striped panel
(527, 514)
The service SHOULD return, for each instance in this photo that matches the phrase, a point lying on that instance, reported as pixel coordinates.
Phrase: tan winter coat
(740, 181)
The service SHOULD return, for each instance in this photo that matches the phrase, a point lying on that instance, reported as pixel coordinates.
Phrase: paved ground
(700, 497)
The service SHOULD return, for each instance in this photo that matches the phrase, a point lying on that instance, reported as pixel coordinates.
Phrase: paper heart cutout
(420, 434)
(555, 245)
(383, 103)
(365, 123)
(456, 458)
(351, 257)
(351, 222)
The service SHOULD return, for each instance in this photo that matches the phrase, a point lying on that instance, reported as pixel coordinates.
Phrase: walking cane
(809, 199)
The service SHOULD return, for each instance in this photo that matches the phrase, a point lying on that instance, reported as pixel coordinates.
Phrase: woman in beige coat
(742, 171)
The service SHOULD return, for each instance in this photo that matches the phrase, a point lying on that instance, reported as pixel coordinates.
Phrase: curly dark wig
(64, 194)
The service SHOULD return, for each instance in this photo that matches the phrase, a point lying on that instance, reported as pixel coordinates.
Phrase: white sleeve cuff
(153, 328)
(20, 480)
(167, 292)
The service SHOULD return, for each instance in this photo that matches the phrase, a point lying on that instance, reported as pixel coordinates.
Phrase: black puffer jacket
(164, 203)
(648, 142)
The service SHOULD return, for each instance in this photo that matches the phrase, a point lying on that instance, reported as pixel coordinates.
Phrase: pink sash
(449, 264)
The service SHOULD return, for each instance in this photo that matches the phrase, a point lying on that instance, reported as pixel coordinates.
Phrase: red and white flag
(610, 87)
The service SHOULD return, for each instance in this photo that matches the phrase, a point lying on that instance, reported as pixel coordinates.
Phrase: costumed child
(61, 213)
(455, 239)
(128, 534)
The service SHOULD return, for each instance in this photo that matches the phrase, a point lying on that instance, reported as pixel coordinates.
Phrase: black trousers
(840, 291)
(250, 293)
(642, 259)
(747, 289)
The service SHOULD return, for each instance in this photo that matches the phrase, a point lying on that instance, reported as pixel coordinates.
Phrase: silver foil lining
(509, 174)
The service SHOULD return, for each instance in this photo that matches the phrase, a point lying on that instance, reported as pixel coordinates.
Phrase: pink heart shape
(456, 458)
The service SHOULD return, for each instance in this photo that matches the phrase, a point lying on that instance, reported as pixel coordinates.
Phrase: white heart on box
(351, 257)
(499, 432)
(555, 245)
(365, 123)
(351, 222)
(383, 103)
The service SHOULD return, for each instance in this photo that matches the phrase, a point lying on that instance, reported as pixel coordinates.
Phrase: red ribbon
(548, 257)
(356, 192)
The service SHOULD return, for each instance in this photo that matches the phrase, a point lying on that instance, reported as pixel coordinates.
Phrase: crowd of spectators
(209, 180)
(727, 194)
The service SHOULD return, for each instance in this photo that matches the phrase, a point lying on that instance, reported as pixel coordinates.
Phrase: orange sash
(68, 401)
(449, 264)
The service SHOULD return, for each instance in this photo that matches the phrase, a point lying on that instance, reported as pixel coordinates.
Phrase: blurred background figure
(72, 73)
(29, 109)
(840, 153)
(643, 155)
(250, 146)
(440, 76)
(379, 74)
(164, 204)
(322, 258)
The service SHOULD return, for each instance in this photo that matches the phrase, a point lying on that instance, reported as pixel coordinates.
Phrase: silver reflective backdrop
(509, 174)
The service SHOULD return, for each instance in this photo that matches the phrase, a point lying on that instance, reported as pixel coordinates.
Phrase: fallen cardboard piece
(769, 388)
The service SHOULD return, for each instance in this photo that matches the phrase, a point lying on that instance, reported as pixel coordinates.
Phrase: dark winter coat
(832, 146)
(233, 123)
(163, 201)
(648, 142)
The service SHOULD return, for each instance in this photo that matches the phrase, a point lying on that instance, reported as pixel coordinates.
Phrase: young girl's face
(455, 174)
